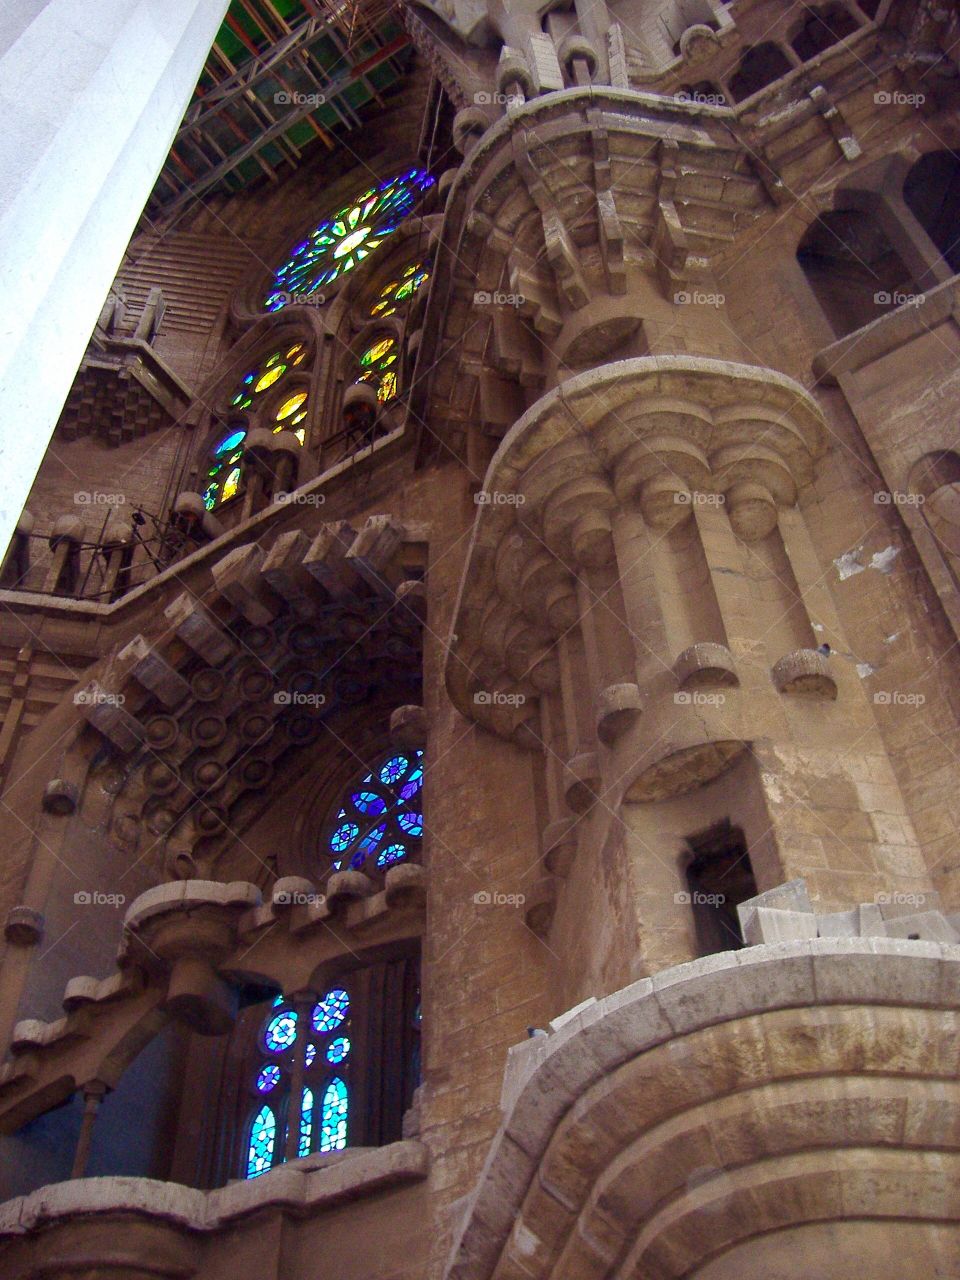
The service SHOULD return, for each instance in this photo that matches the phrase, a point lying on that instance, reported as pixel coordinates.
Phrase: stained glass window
(378, 367)
(306, 1123)
(336, 245)
(397, 293)
(291, 413)
(333, 1119)
(268, 1078)
(324, 1041)
(281, 1032)
(381, 817)
(331, 1010)
(263, 1136)
(225, 473)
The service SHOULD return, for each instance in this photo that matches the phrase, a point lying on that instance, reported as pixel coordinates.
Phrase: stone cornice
(302, 1188)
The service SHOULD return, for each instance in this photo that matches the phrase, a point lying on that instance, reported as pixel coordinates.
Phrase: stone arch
(821, 27)
(931, 191)
(760, 65)
(852, 268)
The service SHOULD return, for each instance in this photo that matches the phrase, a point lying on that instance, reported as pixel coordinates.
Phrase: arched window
(758, 67)
(932, 194)
(380, 819)
(319, 1052)
(265, 382)
(853, 269)
(378, 365)
(338, 243)
(379, 361)
(396, 293)
(821, 28)
(354, 1055)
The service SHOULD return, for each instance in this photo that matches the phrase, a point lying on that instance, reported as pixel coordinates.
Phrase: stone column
(92, 92)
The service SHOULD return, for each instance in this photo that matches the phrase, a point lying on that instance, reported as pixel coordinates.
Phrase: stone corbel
(670, 245)
(836, 123)
(611, 230)
(560, 250)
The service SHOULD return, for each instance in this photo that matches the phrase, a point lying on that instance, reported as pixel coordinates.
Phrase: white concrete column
(91, 95)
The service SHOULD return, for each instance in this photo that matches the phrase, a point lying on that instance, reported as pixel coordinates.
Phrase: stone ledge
(302, 1187)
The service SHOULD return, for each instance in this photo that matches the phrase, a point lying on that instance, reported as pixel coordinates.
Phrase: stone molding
(545, 1205)
(302, 1188)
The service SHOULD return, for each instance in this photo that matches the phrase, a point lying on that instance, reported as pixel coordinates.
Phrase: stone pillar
(83, 144)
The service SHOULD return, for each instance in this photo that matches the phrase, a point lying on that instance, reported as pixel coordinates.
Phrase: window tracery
(339, 243)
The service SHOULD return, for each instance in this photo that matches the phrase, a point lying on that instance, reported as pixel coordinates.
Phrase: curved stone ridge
(586, 1107)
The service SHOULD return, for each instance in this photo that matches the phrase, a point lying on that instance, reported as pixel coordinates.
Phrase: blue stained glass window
(331, 1010)
(343, 836)
(381, 818)
(393, 769)
(309, 1056)
(368, 802)
(413, 785)
(333, 1117)
(412, 823)
(367, 845)
(281, 1032)
(338, 1049)
(393, 853)
(229, 442)
(306, 1123)
(263, 1136)
(268, 1078)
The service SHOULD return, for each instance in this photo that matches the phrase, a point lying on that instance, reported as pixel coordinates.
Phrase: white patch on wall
(849, 563)
(525, 1241)
(883, 560)
(864, 669)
